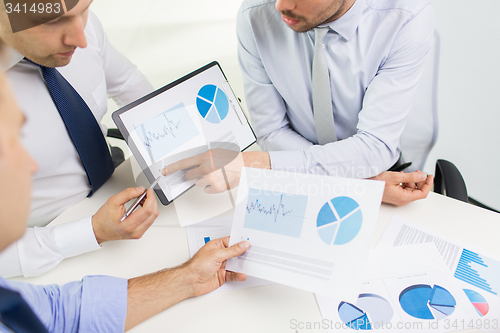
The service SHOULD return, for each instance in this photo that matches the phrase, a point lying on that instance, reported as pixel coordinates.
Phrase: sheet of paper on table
(475, 271)
(406, 289)
(306, 231)
(203, 232)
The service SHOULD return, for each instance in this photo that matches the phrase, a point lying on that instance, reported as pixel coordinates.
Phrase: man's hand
(206, 271)
(107, 222)
(218, 170)
(402, 188)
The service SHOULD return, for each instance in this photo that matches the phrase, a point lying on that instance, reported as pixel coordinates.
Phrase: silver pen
(139, 199)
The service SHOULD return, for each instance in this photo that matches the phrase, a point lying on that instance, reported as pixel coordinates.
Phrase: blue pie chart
(339, 221)
(212, 103)
(425, 302)
(369, 310)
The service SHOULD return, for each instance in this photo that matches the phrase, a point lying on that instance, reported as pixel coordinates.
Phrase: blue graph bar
(479, 271)
(206, 239)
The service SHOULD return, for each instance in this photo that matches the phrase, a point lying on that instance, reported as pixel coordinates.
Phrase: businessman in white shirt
(77, 45)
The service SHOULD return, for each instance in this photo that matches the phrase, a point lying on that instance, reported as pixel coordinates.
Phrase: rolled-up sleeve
(94, 304)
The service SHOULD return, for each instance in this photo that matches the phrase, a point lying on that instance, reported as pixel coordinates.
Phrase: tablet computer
(182, 119)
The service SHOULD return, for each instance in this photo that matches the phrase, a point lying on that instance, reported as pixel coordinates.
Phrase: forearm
(151, 294)
(360, 156)
(257, 159)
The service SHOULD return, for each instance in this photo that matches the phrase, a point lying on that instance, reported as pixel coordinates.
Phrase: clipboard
(197, 112)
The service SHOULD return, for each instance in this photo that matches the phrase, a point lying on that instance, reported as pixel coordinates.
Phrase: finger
(235, 250)
(411, 177)
(411, 186)
(429, 181)
(125, 196)
(410, 195)
(199, 172)
(426, 188)
(150, 208)
(232, 276)
(203, 182)
(141, 229)
(181, 165)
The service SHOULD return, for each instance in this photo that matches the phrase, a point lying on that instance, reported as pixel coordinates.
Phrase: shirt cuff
(292, 161)
(104, 304)
(76, 237)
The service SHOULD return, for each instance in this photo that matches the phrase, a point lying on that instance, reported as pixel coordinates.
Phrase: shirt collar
(12, 58)
(347, 24)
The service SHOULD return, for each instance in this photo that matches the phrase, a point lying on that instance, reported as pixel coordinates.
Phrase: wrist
(97, 231)
(257, 159)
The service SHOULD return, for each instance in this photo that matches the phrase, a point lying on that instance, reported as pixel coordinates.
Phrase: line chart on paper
(273, 210)
(279, 213)
(167, 131)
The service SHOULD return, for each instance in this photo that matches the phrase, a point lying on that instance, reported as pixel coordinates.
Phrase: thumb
(125, 196)
(235, 250)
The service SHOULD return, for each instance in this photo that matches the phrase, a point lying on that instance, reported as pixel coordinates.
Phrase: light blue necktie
(82, 127)
(321, 92)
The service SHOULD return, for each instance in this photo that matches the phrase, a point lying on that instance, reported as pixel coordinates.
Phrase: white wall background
(168, 39)
(469, 110)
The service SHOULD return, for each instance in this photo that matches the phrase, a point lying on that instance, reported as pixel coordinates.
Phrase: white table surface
(261, 309)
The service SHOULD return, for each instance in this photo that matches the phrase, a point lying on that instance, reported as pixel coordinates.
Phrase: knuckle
(129, 230)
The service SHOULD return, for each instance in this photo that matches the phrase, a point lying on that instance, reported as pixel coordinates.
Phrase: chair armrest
(115, 133)
(448, 181)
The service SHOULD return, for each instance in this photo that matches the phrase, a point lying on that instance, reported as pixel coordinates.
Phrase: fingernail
(140, 188)
(245, 245)
(422, 176)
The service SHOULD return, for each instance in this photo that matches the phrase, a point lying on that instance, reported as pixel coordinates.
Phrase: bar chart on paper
(425, 302)
(279, 213)
(339, 221)
(479, 271)
(212, 103)
(369, 309)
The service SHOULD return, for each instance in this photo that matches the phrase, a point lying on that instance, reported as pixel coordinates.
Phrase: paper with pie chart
(404, 290)
(475, 271)
(306, 231)
(187, 117)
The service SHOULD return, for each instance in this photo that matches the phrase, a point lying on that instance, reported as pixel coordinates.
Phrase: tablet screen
(183, 119)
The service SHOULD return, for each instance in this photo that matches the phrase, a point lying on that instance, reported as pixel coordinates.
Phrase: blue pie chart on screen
(212, 103)
(425, 302)
(339, 221)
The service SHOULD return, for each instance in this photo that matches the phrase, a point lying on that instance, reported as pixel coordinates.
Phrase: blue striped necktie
(16, 314)
(82, 127)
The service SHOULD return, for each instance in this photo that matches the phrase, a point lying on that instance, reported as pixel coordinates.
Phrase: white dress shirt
(97, 72)
(375, 54)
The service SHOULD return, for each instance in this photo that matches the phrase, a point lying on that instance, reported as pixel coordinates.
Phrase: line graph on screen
(167, 131)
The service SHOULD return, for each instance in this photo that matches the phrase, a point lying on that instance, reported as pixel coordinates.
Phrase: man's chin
(55, 61)
(302, 27)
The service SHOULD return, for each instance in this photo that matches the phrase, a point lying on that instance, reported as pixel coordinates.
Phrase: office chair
(117, 154)
(421, 131)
